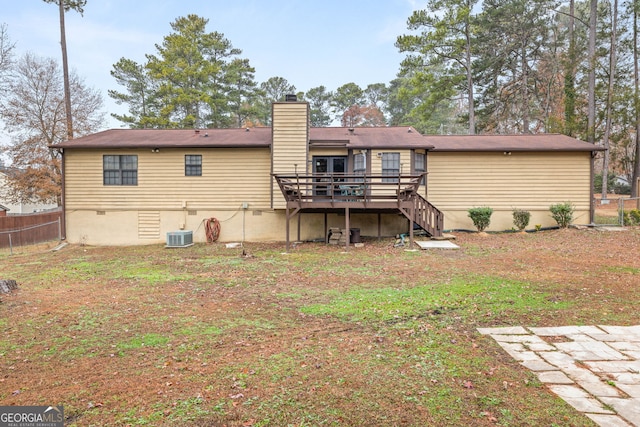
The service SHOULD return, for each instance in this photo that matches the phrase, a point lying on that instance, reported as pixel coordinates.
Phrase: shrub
(562, 213)
(632, 217)
(481, 217)
(521, 218)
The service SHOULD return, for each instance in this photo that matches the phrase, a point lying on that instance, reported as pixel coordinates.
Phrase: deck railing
(342, 188)
(320, 191)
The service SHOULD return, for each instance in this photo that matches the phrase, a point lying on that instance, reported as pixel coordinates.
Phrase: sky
(309, 43)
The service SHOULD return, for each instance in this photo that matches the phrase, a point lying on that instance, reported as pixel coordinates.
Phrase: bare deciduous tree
(34, 117)
(6, 55)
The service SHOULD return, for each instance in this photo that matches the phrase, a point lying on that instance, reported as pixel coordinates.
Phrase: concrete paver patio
(595, 369)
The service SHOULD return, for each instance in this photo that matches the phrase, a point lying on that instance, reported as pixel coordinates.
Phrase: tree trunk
(65, 70)
(570, 77)
(6, 286)
(612, 74)
(636, 75)
(470, 101)
(525, 91)
(591, 109)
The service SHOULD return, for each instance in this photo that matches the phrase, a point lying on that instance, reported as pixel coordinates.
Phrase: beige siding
(229, 178)
(530, 181)
(290, 142)
(326, 151)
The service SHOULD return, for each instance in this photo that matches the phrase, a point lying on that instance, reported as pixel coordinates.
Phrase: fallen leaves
(489, 416)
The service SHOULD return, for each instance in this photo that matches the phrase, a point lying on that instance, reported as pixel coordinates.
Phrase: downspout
(271, 177)
(63, 230)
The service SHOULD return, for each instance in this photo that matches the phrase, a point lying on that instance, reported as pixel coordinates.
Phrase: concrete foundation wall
(119, 228)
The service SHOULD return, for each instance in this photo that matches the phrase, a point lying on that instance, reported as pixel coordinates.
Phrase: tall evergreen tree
(65, 6)
(515, 35)
(345, 97)
(273, 90)
(443, 46)
(319, 100)
(241, 92)
(184, 68)
(139, 96)
(196, 79)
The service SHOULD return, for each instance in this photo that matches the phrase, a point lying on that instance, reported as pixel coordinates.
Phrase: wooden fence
(23, 230)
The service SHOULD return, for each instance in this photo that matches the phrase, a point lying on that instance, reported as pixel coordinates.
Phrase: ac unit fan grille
(179, 239)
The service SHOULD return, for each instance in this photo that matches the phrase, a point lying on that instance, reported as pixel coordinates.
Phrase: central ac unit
(179, 239)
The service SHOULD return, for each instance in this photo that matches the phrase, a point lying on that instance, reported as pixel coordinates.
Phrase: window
(192, 165)
(420, 165)
(120, 170)
(391, 166)
(359, 164)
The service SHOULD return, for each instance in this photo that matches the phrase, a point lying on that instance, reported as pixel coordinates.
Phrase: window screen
(420, 165)
(391, 166)
(120, 170)
(193, 165)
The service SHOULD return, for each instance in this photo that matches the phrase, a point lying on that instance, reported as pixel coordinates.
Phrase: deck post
(287, 233)
(299, 221)
(412, 224)
(370, 194)
(348, 230)
(326, 229)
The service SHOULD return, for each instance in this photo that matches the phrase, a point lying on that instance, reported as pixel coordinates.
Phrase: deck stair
(359, 193)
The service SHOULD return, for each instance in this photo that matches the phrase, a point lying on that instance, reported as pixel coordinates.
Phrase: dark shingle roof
(356, 138)
(369, 137)
(528, 142)
(189, 138)
(378, 137)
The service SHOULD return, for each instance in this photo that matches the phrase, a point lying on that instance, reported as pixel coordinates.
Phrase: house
(133, 186)
(504, 172)
(3, 210)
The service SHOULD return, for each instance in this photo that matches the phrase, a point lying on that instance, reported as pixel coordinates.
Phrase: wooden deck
(359, 193)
